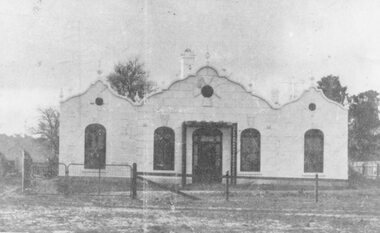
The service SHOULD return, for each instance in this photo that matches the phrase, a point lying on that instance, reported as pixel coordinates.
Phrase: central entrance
(207, 155)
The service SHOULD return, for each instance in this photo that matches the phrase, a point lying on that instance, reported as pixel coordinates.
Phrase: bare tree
(48, 128)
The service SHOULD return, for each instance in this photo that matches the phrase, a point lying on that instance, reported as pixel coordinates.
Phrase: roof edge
(320, 91)
(161, 91)
(107, 86)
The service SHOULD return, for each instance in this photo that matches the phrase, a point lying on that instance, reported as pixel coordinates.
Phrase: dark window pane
(95, 147)
(207, 91)
(99, 101)
(312, 106)
(250, 150)
(163, 149)
(313, 161)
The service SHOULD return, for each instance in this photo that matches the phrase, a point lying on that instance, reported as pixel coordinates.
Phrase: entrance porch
(208, 151)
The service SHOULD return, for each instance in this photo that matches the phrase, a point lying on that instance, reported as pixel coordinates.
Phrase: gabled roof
(151, 95)
(320, 91)
(107, 86)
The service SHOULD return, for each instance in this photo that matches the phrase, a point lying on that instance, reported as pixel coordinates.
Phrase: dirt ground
(159, 211)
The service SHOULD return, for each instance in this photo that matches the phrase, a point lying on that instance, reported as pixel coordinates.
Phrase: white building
(201, 127)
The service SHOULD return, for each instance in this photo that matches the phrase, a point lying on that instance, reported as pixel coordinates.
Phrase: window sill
(156, 170)
(250, 173)
(312, 175)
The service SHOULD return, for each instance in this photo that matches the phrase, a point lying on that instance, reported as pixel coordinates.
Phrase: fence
(371, 171)
(230, 178)
(42, 169)
(113, 179)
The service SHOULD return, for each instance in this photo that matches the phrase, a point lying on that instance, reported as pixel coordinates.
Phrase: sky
(49, 47)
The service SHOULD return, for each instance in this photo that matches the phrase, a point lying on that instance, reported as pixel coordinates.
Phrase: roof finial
(312, 81)
(207, 56)
(99, 71)
(292, 88)
(61, 94)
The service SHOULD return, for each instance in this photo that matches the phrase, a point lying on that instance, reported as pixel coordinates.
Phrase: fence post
(67, 188)
(134, 181)
(27, 166)
(99, 181)
(227, 186)
(377, 170)
(22, 171)
(316, 187)
(363, 169)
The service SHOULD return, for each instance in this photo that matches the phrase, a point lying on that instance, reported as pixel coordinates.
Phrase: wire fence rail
(111, 180)
(371, 171)
(228, 182)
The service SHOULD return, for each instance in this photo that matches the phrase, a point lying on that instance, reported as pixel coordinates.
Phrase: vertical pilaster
(233, 153)
(184, 127)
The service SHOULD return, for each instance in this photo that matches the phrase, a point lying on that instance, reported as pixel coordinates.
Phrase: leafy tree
(363, 123)
(48, 128)
(130, 79)
(332, 88)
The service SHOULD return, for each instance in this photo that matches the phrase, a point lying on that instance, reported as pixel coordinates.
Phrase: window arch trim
(314, 151)
(163, 148)
(95, 146)
(250, 150)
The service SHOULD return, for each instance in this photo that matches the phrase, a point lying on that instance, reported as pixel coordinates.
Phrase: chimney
(187, 63)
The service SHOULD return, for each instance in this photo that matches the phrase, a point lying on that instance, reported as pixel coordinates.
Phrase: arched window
(250, 150)
(163, 149)
(313, 161)
(95, 147)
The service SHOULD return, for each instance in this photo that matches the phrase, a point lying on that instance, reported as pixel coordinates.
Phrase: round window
(99, 101)
(312, 106)
(207, 91)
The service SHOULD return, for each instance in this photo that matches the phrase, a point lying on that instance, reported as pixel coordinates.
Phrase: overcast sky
(49, 45)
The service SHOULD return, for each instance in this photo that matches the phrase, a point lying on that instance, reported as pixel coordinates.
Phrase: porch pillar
(184, 127)
(233, 153)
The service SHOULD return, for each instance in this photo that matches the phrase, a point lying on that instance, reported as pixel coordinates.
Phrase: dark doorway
(207, 155)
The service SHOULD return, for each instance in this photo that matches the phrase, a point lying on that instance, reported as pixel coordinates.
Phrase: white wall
(117, 115)
(130, 128)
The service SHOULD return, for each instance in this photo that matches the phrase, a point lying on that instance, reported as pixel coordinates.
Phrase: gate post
(99, 181)
(227, 186)
(134, 181)
(316, 187)
(363, 169)
(23, 171)
(27, 166)
(67, 188)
